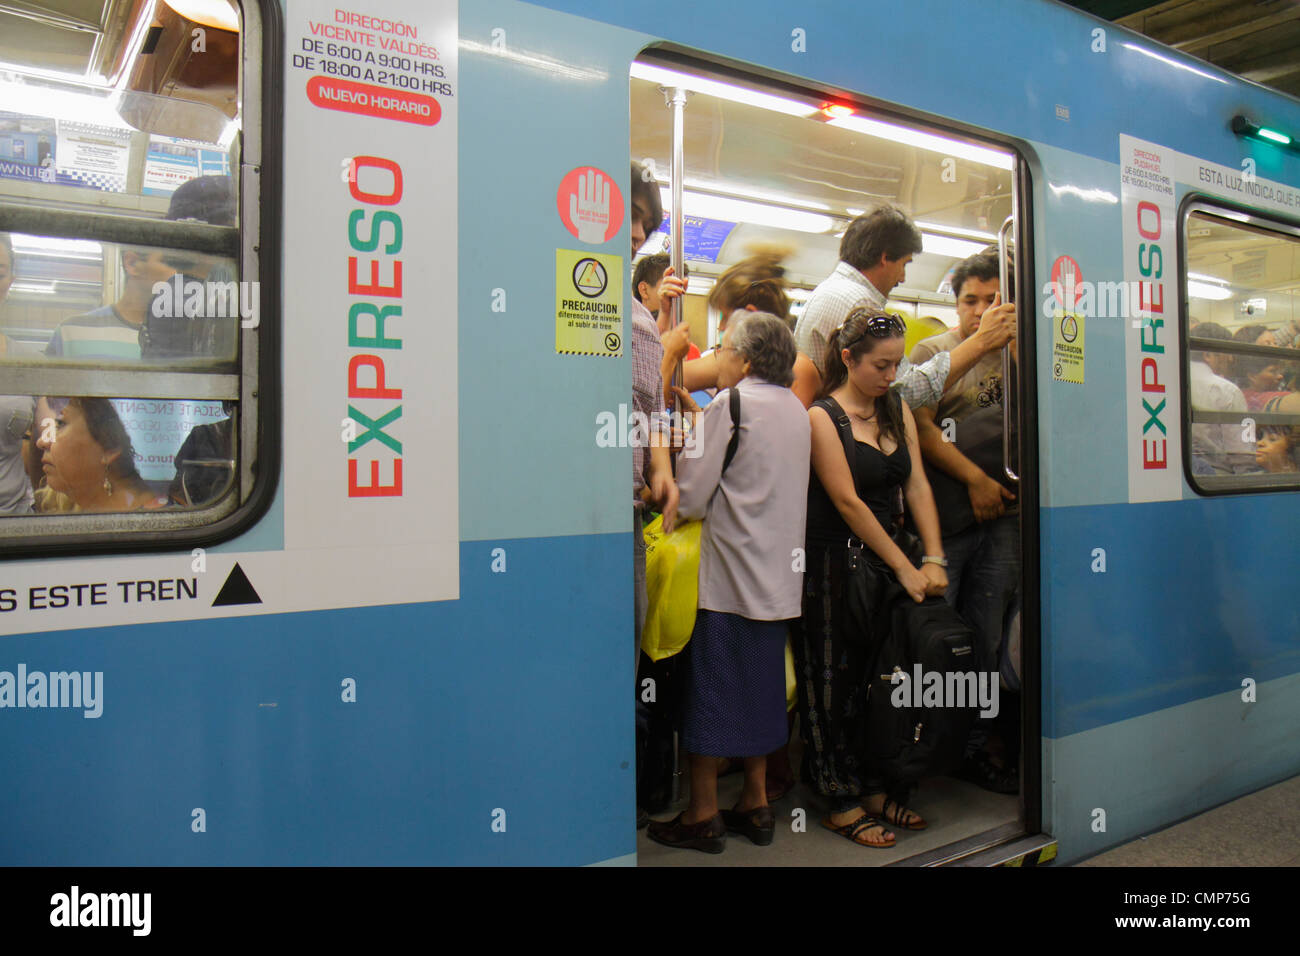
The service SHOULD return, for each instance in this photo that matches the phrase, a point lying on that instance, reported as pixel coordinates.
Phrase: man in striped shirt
(874, 254)
(113, 331)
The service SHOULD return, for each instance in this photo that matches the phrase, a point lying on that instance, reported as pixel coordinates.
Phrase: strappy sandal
(851, 831)
(898, 817)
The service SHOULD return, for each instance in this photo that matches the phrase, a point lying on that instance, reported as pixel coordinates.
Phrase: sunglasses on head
(879, 326)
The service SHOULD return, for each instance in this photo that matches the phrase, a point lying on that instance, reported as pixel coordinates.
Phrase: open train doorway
(760, 182)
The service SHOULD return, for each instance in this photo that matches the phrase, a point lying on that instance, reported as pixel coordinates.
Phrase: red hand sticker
(1067, 282)
(590, 205)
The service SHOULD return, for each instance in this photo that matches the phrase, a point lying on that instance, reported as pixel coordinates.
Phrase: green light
(1276, 137)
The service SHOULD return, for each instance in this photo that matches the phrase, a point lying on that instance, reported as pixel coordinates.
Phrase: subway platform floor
(1259, 829)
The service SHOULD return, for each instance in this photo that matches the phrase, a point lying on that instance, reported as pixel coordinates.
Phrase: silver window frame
(1251, 483)
(78, 532)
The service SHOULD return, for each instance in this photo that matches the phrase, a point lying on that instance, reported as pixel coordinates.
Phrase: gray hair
(766, 342)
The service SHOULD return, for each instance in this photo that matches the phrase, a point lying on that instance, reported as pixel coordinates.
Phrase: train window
(130, 306)
(1242, 364)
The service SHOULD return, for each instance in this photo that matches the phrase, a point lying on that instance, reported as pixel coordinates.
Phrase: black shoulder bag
(733, 406)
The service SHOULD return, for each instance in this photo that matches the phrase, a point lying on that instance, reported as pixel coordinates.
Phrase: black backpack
(903, 744)
(908, 742)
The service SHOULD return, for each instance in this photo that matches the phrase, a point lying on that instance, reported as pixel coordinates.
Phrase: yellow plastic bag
(672, 581)
(791, 684)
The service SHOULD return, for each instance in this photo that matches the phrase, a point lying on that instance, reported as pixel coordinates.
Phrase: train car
(365, 595)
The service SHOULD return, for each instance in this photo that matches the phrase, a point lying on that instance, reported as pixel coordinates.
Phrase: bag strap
(733, 406)
(841, 420)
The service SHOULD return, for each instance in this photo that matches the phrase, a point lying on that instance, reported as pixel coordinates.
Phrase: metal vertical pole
(676, 101)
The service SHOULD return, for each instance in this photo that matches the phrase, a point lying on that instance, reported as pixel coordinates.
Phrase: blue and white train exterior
(492, 713)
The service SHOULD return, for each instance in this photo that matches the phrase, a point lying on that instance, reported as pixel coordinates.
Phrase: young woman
(852, 502)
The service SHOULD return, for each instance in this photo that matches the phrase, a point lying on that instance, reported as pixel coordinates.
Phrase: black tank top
(876, 476)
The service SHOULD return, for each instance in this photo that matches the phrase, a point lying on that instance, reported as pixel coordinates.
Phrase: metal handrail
(1005, 279)
(124, 230)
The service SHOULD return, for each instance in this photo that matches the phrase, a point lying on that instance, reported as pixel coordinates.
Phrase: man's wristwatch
(932, 559)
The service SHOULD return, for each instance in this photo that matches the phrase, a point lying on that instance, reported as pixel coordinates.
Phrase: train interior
(767, 167)
(109, 107)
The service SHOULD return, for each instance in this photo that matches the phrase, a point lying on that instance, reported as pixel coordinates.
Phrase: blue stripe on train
(1197, 595)
(518, 697)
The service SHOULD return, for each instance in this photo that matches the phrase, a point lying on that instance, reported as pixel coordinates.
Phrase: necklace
(864, 418)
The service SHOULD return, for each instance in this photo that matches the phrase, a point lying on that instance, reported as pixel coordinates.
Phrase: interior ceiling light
(936, 144)
(70, 104)
(726, 91)
(947, 246)
(737, 191)
(743, 211)
(1204, 278)
(1203, 290)
(877, 128)
(956, 231)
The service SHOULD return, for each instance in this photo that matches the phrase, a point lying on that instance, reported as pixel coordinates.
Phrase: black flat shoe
(758, 824)
(979, 770)
(709, 836)
(642, 818)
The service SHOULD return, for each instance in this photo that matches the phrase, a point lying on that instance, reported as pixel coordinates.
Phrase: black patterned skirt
(830, 657)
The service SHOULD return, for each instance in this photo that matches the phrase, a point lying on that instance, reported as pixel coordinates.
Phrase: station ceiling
(1256, 39)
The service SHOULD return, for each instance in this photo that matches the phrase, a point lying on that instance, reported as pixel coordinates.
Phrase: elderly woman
(88, 457)
(753, 509)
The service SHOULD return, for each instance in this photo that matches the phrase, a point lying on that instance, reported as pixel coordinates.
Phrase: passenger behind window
(16, 412)
(205, 465)
(1217, 449)
(89, 458)
(1275, 451)
(1259, 378)
(45, 500)
(170, 331)
(127, 329)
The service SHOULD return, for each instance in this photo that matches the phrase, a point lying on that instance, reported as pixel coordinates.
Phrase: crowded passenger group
(62, 454)
(820, 444)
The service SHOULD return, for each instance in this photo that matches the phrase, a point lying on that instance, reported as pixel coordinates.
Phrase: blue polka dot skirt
(734, 701)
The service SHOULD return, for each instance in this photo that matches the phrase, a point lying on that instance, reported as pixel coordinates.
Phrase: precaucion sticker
(1067, 348)
(588, 290)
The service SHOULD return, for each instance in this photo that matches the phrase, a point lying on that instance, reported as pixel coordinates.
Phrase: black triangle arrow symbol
(237, 589)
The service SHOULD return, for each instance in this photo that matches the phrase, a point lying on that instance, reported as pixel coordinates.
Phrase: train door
(751, 167)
